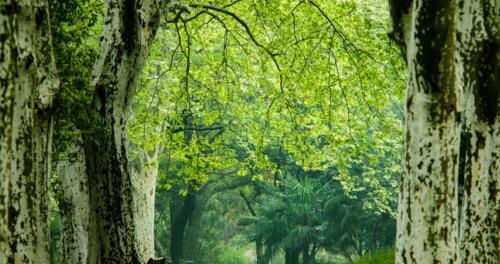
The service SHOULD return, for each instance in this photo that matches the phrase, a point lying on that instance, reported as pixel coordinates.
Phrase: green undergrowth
(232, 256)
(380, 257)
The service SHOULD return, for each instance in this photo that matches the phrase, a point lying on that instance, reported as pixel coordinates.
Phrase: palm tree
(291, 221)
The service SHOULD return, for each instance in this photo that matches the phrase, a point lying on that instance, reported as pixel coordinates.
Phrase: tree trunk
(259, 252)
(427, 215)
(479, 45)
(480, 229)
(291, 256)
(258, 241)
(194, 226)
(74, 206)
(202, 196)
(181, 209)
(27, 85)
(129, 29)
(450, 47)
(144, 187)
(306, 258)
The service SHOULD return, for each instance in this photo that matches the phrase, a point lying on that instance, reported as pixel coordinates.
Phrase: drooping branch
(248, 204)
(240, 21)
(196, 128)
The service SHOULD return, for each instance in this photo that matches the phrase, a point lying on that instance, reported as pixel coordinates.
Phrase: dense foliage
(282, 118)
(289, 95)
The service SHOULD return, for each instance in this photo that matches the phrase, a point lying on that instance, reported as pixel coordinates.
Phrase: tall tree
(129, 29)
(449, 46)
(76, 29)
(28, 83)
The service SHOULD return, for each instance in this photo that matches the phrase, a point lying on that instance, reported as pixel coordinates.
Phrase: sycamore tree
(29, 85)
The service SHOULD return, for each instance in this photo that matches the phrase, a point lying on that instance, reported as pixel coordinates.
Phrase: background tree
(76, 29)
(128, 32)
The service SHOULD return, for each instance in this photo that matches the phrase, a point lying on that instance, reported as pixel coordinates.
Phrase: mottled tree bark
(129, 29)
(478, 23)
(451, 47)
(427, 215)
(8, 85)
(74, 206)
(480, 217)
(27, 84)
